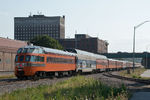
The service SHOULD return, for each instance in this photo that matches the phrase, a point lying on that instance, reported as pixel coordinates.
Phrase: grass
(136, 74)
(7, 76)
(75, 88)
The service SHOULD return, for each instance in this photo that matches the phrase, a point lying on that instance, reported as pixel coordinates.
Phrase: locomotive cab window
(21, 58)
(20, 50)
(16, 58)
(27, 58)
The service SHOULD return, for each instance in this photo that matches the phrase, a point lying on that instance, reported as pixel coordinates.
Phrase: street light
(135, 27)
(146, 62)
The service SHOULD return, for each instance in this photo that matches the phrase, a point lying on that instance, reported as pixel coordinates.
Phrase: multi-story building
(26, 28)
(85, 42)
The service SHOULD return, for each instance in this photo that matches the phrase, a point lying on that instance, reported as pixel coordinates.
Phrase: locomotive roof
(50, 50)
(118, 60)
(31, 47)
(80, 52)
(115, 60)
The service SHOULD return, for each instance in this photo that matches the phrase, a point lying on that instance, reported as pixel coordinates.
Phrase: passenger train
(36, 61)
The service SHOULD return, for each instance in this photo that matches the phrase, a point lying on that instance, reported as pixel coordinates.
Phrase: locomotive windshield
(29, 58)
(21, 57)
(30, 50)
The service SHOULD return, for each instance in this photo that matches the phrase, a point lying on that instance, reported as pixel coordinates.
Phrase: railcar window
(59, 60)
(21, 58)
(104, 63)
(36, 59)
(33, 59)
(16, 58)
(27, 58)
(112, 63)
(19, 50)
(42, 59)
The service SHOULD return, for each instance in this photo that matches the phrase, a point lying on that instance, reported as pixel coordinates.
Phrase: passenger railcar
(89, 62)
(112, 64)
(119, 64)
(102, 64)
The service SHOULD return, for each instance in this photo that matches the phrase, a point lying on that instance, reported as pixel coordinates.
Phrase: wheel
(19, 78)
(35, 77)
(69, 73)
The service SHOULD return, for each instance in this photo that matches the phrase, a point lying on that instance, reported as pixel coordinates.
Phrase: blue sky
(111, 20)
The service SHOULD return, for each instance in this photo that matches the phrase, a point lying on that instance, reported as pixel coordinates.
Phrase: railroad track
(9, 85)
(10, 81)
(127, 78)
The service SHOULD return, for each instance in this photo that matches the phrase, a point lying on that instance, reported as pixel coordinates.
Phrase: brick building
(26, 28)
(8, 49)
(85, 42)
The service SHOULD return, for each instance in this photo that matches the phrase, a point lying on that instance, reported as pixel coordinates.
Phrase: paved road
(146, 74)
(141, 96)
(145, 92)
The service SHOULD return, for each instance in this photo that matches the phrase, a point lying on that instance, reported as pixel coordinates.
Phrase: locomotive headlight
(24, 64)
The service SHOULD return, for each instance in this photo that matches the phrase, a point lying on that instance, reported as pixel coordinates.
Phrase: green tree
(46, 41)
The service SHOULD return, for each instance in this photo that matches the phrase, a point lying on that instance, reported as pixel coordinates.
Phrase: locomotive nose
(20, 66)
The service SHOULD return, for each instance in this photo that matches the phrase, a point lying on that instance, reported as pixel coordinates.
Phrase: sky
(110, 20)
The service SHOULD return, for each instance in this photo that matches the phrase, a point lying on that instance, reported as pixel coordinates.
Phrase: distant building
(8, 49)
(26, 28)
(85, 42)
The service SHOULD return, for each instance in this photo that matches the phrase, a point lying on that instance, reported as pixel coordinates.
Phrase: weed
(75, 88)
